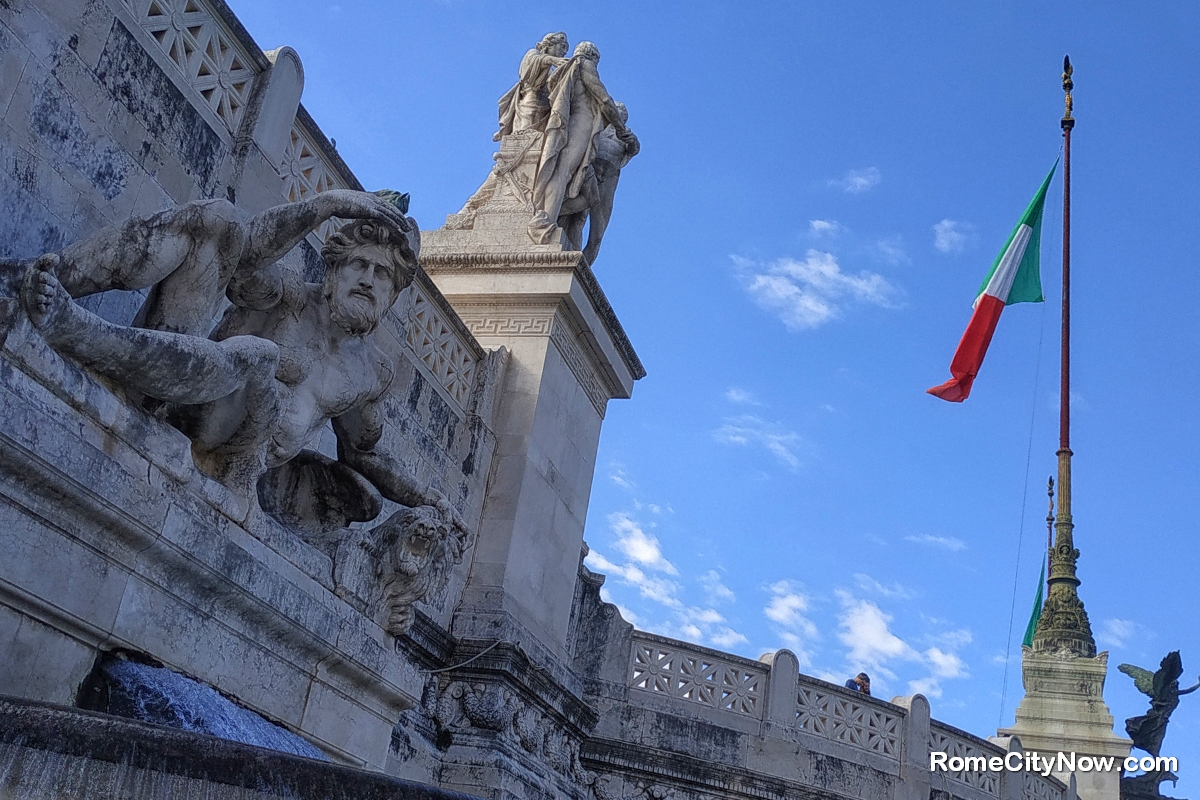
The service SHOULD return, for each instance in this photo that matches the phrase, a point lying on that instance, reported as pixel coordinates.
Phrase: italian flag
(1015, 277)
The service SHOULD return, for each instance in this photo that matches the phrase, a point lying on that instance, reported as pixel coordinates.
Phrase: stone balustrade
(695, 675)
(885, 745)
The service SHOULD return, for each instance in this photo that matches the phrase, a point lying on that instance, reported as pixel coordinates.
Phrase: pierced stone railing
(696, 675)
(1036, 787)
(441, 342)
(860, 723)
(956, 743)
(213, 61)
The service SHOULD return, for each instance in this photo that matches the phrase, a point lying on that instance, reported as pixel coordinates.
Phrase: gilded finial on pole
(1068, 121)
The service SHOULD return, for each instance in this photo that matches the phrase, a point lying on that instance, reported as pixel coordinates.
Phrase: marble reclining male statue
(286, 358)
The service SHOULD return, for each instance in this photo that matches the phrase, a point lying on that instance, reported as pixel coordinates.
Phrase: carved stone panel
(842, 719)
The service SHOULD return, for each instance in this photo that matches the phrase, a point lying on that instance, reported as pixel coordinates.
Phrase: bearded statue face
(362, 288)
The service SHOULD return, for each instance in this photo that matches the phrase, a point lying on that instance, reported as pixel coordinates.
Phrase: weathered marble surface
(56, 753)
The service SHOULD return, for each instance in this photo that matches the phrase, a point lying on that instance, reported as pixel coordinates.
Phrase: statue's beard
(355, 315)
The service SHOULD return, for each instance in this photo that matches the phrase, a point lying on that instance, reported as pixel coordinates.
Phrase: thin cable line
(1012, 609)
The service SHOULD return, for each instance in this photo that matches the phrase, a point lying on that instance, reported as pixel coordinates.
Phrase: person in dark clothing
(860, 683)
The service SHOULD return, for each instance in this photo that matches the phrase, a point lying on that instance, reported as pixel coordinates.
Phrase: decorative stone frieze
(843, 719)
(1035, 787)
(943, 739)
(446, 349)
(212, 60)
(695, 677)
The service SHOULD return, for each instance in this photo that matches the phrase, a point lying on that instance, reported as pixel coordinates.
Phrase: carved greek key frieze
(439, 347)
(211, 59)
(696, 678)
(946, 741)
(842, 719)
(527, 323)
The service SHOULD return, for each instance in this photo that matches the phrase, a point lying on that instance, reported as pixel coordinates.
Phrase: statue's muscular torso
(323, 372)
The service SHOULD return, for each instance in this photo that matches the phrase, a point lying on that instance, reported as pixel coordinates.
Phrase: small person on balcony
(860, 683)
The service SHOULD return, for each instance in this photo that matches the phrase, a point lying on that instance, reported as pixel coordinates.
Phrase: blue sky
(794, 252)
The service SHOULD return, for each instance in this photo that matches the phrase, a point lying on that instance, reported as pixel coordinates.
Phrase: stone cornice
(727, 780)
(549, 261)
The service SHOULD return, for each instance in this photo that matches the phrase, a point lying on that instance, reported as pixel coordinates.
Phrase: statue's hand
(350, 204)
(449, 516)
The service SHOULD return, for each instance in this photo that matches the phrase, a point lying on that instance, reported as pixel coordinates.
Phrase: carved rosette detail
(697, 678)
(212, 62)
(1035, 787)
(841, 719)
(944, 741)
(306, 173)
(435, 341)
(464, 706)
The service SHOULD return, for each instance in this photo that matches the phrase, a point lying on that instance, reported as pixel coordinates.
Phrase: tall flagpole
(1064, 625)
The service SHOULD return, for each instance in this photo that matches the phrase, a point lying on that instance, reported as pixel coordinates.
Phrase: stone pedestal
(1064, 710)
(569, 357)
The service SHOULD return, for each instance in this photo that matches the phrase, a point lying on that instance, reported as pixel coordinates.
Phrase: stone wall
(115, 540)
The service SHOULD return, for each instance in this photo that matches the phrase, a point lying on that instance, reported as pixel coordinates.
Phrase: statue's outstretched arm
(358, 432)
(272, 233)
(1189, 691)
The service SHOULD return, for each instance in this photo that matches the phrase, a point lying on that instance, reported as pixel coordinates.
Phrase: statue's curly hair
(366, 231)
(557, 36)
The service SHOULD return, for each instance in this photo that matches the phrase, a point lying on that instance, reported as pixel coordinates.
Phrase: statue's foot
(47, 303)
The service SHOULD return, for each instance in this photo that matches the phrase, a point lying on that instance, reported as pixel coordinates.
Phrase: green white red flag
(1015, 277)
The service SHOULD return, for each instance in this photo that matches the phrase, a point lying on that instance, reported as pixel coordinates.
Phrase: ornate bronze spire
(1064, 626)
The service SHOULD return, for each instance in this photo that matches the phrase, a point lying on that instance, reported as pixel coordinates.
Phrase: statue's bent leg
(231, 436)
(599, 217)
(187, 254)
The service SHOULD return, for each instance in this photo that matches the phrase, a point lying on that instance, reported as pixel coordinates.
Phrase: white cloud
(741, 396)
(643, 555)
(809, 293)
(945, 665)
(891, 251)
(727, 638)
(749, 429)
(658, 590)
(955, 639)
(824, 227)
(951, 236)
(639, 545)
(869, 584)
(926, 686)
(865, 630)
(857, 181)
(717, 591)
(1116, 632)
(950, 543)
(619, 477)
(787, 608)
